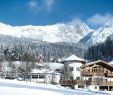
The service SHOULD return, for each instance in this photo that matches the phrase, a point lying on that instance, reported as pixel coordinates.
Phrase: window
(80, 86)
(94, 69)
(71, 68)
(57, 70)
(28, 76)
(41, 76)
(97, 69)
(71, 77)
(95, 87)
(89, 79)
(98, 79)
(78, 78)
(100, 70)
(77, 69)
(35, 76)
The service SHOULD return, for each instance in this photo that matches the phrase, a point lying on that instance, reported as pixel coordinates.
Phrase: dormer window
(97, 69)
(94, 69)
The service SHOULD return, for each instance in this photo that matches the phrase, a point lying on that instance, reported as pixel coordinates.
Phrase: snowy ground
(13, 87)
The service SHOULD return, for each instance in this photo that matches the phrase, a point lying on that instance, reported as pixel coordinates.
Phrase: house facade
(96, 75)
(43, 73)
(72, 66)
(43, 76)
(99, 75)
(36, 76)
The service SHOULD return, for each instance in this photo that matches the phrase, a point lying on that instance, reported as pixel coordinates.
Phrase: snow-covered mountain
(50, 33)
(76, 32)
(99, 35)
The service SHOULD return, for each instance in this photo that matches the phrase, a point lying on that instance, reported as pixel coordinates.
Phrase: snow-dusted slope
(12, 87)
(50, 33)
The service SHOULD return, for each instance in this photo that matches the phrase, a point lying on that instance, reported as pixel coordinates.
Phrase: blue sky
(47, 12)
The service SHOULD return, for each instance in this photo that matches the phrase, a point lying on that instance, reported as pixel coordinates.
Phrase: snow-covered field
(13, 87)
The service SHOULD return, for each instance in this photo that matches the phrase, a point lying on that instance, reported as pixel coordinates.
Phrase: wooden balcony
(110, 74)
(87, 73)
(86, 82)
(92, 73)
(102, 83)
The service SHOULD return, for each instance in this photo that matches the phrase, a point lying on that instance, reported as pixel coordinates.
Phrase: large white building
(72, 66)
(45, 73)
(97, 75)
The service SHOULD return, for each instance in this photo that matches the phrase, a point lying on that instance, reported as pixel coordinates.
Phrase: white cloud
(75, 20)
(40, 5)
(99, 19)
(49, 4)
(33, 6)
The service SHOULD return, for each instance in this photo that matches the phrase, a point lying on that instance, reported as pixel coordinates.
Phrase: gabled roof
(73, 58)
(99, 62)
(42, 71)
(54, 66)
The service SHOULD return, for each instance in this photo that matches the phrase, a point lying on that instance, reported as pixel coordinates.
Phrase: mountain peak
(109, 24)
(2, 24)
(101, 34)
(51, 33)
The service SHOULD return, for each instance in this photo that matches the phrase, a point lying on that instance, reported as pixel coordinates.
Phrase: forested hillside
(15, 49)
(103, 51)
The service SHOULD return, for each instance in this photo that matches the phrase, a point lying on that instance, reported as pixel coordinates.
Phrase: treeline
(101, 51)
(16, 49)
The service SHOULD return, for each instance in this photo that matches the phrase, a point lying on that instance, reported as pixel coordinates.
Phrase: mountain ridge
(71, 32)
(102, 33)
(51, 33)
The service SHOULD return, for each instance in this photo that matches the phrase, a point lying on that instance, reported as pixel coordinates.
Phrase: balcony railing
(92, 73)
(96, 74)
(86, 82)
(87, 73)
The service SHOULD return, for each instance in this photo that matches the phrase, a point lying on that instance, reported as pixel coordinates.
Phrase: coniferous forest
(100, 51)
(15, 49)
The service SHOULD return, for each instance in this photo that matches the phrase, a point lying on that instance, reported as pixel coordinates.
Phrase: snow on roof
(41, 71)
(54, 66)
(111, 62)
(74, 58)
(97, 62)
(50, 71)
(37, 71)
(94, 62)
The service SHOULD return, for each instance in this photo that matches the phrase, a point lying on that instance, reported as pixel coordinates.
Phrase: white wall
(56, 78)
(38, 80)
(76, 87)
(109, 79)
(93, 88)
(46, 79)
(76, 73)
(49, 78)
